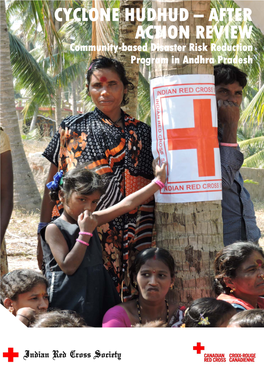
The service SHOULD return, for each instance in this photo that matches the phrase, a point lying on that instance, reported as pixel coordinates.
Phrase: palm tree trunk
(191, 231)
(74, 99)
(3, 259)
(94, 36)
(58, 116)
(34, 120)
(57, 67)
(127, 33)
(26, 195)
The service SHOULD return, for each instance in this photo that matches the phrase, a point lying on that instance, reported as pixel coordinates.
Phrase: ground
(21, 235)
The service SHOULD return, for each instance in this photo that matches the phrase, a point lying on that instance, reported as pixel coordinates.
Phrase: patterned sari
(124, 157)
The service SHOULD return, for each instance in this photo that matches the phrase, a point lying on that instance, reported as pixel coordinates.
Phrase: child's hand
(159, 172)
(87, 221)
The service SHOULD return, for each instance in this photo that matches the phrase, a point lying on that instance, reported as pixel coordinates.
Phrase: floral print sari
(124, 157)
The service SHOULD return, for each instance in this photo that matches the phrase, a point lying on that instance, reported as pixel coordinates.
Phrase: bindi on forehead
(103, 79)
(259, 262)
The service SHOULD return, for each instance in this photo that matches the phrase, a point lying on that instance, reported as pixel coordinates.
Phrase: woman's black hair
(207, 312)
(228, 260)
(248, 318)
(102, 62)
(18, 282)
(59, 319)
(151, 253)
(229, 74)
(80, 180)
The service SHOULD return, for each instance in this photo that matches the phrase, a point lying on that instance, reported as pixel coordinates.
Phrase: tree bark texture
(26, 194)
(3, 260)
(58, 115)
(127, 33)
(74, 99)
(34, 120)
(194, 7)
(192, 232)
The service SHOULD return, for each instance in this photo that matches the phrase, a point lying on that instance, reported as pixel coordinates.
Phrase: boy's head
(229, 74)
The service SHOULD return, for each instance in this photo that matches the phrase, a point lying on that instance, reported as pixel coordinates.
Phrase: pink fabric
(116, 317)
(232, 145)
(232, 299)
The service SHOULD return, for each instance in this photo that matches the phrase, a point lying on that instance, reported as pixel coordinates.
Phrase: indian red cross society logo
(198, 347)
(10, 354)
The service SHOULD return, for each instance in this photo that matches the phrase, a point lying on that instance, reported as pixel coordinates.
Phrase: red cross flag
(184, 134)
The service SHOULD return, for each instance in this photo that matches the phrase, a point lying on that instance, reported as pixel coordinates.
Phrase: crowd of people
(239, 279)
(95, 237)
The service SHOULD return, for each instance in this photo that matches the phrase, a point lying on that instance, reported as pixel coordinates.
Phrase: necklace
(117, 120)
(139, 311)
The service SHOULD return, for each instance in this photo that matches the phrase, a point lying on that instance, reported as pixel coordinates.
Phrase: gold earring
(172, 286)
(232, 290)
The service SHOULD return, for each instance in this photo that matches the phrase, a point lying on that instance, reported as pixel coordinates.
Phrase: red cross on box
(202, 137)
(10, 354)
(198, 347)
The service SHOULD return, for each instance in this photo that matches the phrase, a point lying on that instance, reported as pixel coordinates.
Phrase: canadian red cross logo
(10, 354)
(198, 347)
(203, 137)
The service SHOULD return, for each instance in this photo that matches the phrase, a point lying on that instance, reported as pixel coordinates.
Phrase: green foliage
(49, 64)
(254, 112)
(255, 161)
(28, 73)
(253, 152)
(247, 181)
(33, 135)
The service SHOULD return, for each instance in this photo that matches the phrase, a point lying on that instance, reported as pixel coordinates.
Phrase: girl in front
(71, 247)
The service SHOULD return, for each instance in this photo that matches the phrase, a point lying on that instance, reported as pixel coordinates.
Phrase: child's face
(36, 298)
(78, 203)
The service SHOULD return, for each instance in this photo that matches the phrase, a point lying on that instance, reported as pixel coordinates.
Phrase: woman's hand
(159, 172)
(87, 221)
(135, 199)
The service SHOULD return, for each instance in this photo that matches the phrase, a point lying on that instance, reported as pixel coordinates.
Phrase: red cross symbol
(202, 137)
(198, 347)
(10, 354)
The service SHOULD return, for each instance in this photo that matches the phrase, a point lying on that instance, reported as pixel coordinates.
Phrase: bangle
(85, 243)
(24, 317)
(231, 145)
(86, 233)
(41, 225)
(158, 182)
